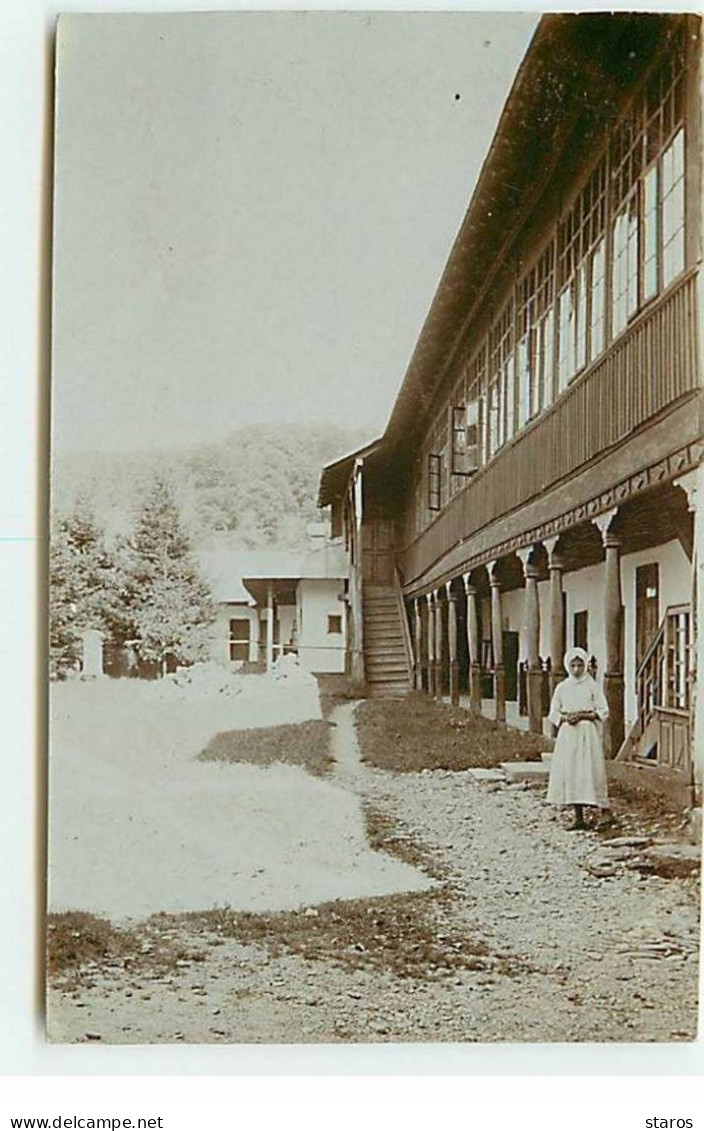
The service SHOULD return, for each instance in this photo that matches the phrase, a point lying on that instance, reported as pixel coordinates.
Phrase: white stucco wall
(286, 616)
(318, 650)
(584, 589)
(512, 605)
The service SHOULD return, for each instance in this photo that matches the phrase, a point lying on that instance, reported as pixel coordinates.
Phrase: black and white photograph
(376, 516)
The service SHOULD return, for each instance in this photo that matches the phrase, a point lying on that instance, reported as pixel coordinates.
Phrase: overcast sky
(253, 211)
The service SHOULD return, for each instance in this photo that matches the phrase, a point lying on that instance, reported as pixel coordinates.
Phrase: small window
(434, 465)
(335, 625)
(239, 639)
(465, 439)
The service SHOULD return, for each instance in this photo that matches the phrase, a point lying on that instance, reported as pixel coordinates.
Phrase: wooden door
(647, 607)
(378, 551)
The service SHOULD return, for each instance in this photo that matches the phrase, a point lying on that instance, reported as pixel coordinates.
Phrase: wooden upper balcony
(651, 366)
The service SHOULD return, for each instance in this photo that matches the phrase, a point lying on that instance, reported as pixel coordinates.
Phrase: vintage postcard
(376, 467)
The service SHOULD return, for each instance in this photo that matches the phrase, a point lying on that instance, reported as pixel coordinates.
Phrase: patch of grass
(334, 689)
(385, 834)
(667, 868)
(417, 733)
(400, 934)
(643, 812)
(296, 744)
(79, 941)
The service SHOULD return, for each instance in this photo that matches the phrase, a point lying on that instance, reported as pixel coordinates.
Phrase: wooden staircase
(661, 734)
(385, 656)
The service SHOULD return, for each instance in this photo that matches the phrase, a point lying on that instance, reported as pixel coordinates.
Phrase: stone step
(526, 771)
(480, 774)
(546, 757)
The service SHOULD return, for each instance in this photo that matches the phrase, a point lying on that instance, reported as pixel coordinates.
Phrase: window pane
(625, 265)
(509, 397)
(633, 242)
(650, 233)
(598, 300)
(524, 381)
(547, 353)
(581, 319)
(566, 345)
(673, 208)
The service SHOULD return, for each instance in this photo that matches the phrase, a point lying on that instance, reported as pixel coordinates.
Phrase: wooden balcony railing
(648, 367)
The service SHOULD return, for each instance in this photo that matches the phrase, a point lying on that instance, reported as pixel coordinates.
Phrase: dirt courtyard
(507, 928)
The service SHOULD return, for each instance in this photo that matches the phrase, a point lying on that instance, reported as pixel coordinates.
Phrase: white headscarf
(576, 654)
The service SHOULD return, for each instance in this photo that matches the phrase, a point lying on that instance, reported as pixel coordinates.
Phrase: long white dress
(578, 770)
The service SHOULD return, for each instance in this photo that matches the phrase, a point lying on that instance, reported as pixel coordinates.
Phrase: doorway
(647, 608)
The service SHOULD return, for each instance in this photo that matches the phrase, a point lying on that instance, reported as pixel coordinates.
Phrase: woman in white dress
(578, 770)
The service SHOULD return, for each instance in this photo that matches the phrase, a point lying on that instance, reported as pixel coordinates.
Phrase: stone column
(452, 614)
(613, 668)
(439, 645)
(417, 645)
(531, 628)
(475, 671)
(431, 644)
(497, 641)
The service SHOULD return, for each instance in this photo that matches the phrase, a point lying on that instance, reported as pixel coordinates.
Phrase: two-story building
(536, 483)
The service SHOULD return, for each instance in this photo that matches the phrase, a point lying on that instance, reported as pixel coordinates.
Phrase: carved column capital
(603, 522)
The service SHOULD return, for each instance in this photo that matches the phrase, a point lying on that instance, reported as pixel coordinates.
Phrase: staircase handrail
(654, 644)
(407, 642)
(671, 610)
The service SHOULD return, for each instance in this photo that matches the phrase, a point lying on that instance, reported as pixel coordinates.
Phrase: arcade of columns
(437, 624)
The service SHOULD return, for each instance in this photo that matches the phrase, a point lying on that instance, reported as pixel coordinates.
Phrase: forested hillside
(260, 486)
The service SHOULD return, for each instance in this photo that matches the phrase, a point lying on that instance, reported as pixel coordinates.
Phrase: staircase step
(387, 665)
(393, 691)
(395, 679)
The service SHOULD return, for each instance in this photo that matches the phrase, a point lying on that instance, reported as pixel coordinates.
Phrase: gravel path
(581, 946)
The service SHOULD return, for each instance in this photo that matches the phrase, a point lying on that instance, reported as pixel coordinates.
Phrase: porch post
(531, 619)
(439, 641)
(452, 613)
(269, 625)
(431, 644)
(475, 689)
(497, 642)
(417, 645)
(557, 616)
(613, 621)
